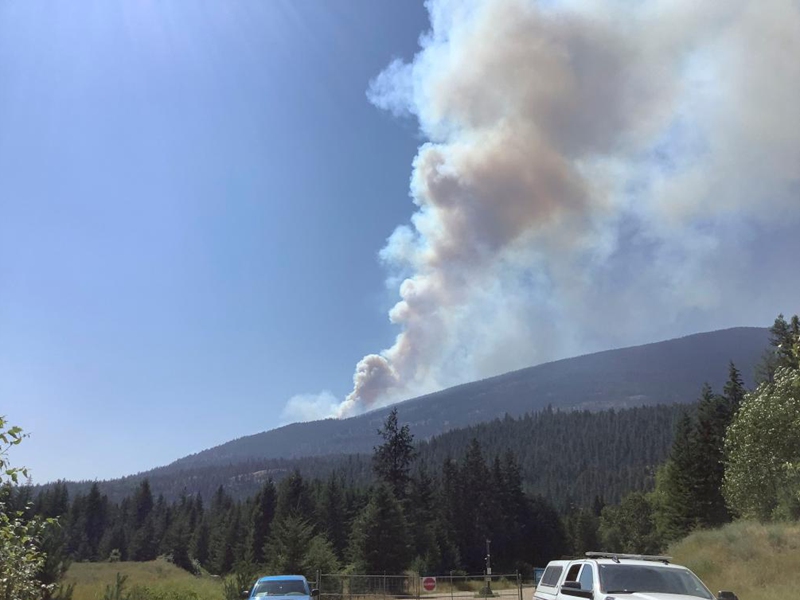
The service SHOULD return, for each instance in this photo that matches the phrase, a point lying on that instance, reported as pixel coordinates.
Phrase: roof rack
(616, 557)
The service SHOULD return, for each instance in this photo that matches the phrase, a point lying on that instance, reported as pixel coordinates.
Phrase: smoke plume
(595, 174)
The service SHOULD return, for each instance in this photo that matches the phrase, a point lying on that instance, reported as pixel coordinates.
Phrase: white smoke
(597, 174)
(308, 407)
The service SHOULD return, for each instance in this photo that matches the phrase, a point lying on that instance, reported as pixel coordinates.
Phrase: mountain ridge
(618, 378)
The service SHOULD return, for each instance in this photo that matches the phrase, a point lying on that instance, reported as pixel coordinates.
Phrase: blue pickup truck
(282, 587)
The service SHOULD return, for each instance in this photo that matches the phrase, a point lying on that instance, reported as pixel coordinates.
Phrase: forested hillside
(569, 457)
(662, 373)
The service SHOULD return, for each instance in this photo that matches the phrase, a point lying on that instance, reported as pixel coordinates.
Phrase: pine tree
(783, 335)
(261, 520)
(380, 541)
(287, 545)
(142, 504)
(201, 540)
(546, 534)
(674, 511)
(423, 521)
(477, 510)
(143, 545)
(177, 536)
(95, 513)
(294, 498)
(392, 460)
(714, 414)
(734, 389)
(333, 513)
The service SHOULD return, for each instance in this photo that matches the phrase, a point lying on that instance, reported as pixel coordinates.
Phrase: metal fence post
(451, 585)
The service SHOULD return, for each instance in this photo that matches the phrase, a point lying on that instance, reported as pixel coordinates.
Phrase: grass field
(758, 562)
(162, 578)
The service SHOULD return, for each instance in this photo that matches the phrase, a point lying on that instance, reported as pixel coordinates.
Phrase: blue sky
(192, 198)
(218, 216)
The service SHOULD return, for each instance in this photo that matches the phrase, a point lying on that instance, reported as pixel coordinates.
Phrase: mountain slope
(659, 373)
(566, 456)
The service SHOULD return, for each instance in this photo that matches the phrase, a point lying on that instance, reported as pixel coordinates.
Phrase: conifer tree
(380, 541)
(392, 460)
(94, 519)
(546, 536)
(201, 540)
(142, 504)
(261, 520)
(714, 414)
(673, 498)
(288, 544)
(734, 389)
(423, 521)
(333, 513)
(294, 498)
(474, 524)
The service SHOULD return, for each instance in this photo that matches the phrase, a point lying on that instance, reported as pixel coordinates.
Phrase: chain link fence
(410, 586)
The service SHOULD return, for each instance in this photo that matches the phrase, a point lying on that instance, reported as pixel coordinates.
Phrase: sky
(217, 218)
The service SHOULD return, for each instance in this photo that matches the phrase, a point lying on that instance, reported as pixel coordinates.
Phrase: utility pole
(489, 567)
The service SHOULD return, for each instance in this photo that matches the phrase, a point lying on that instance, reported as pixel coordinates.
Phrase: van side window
(551, 576)
(586, 578)
(572, 574)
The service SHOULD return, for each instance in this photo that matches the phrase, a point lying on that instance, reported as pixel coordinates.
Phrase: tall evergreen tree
(392, 460)
(782, 337)
(423, 521)
(142, 504)
(261, 520)
(333, 515)
(201, 541)
(95, 514)
(734, 389)
(294, 498)
(478, 509)
(714, 414)
(380, 542)
(288, 544)
(674, 513)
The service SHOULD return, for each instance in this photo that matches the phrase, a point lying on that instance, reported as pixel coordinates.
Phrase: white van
(606, 576)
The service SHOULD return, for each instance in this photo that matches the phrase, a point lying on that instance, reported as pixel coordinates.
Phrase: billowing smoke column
(597, 174)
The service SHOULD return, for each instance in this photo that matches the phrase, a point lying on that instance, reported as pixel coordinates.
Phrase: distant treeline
(567, 457)
(408, 518)
(428, 506)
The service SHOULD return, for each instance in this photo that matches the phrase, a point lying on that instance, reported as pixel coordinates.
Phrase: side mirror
(573, 588)
(724, 595)
(314, 593)
(245, 593)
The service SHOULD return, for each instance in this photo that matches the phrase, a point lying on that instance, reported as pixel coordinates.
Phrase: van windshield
(622, 579)
(280, 587)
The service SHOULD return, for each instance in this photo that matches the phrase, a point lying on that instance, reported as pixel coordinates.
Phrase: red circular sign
(429, 583)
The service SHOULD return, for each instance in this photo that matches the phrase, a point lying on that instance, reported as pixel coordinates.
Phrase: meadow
(153, 580)
(756, 561)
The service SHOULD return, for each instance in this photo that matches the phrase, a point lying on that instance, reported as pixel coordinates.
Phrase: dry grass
(758, 562)
(160, 576)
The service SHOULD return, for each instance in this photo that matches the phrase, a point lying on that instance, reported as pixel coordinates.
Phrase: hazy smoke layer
(597, 174)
